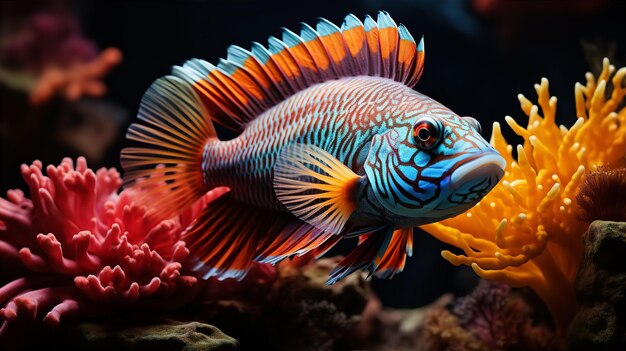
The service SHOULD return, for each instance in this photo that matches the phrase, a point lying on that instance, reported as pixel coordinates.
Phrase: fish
(332, 142)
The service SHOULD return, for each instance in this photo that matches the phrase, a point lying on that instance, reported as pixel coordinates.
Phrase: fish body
(320, 115)
(333, 142)
(344, 128)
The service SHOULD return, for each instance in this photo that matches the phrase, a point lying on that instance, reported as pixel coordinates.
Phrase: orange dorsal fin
(246, 83)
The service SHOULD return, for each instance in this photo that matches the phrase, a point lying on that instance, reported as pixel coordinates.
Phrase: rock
(600, 320)
(170, 336)
(296, 311)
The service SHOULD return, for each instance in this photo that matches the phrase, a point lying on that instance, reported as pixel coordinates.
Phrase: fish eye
(427, 132)
(474, 123)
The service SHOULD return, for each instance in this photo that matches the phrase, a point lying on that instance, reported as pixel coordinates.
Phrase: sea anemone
(602, 196)
(80, 247)
(527, 231)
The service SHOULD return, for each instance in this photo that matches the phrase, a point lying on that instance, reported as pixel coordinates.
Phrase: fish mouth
(488, 165)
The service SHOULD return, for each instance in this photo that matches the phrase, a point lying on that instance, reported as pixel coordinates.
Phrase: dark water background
(479, 55)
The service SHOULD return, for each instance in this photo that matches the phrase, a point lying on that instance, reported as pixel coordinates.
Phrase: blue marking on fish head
(432, 166)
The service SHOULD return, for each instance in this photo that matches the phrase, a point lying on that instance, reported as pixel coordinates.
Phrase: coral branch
(80, 246)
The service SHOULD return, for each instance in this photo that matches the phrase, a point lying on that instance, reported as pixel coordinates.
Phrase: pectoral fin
(315, 186)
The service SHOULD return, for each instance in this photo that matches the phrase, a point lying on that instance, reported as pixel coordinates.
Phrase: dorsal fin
(247, 83)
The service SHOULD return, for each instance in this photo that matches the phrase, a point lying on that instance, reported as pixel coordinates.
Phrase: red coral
(80, 246)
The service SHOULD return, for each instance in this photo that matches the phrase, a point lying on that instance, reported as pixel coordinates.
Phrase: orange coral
(527, 231)
(76, 80)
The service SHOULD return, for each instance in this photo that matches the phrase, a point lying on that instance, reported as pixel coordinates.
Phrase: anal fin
(383, 253)
(391, 257)
(229, 235)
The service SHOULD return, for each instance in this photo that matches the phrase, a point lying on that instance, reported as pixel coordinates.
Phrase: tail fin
(175, 131)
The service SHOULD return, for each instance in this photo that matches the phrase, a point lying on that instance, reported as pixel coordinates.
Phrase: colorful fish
(332, 143)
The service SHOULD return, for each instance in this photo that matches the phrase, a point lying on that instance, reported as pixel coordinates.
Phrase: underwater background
(480, 55)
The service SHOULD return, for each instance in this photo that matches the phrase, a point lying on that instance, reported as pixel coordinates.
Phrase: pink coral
(79, 246)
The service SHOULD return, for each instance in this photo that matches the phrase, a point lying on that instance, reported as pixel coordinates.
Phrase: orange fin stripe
(211, 97)
(356, 42)
(248, 83)
(242, 61)
(373, 44)
(286, 62)
(418, 66)
(333, 41)
(233, 92)
(230, 93)
(317, 50)
(303, 57)
(299, 242)
(388, 38)
(276, 74)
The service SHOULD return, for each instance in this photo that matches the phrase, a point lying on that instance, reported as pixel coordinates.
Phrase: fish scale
(312, 117)
(332, 142)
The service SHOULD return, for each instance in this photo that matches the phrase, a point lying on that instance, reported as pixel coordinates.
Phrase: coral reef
(79, 247)
(294, 311)
(492, 318)
(443, 332)
(527, 231)
(600, 320)
(487, 319)
(402, 329)
(172, 335)
(602, 196)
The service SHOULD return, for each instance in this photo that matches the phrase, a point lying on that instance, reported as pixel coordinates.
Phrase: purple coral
(48, 39)
(481, 311)
(79, 246)
(487, 319)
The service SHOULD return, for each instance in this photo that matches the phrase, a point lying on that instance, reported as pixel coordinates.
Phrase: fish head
(434, 166)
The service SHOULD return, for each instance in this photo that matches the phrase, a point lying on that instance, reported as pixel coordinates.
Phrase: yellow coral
(527, 231)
